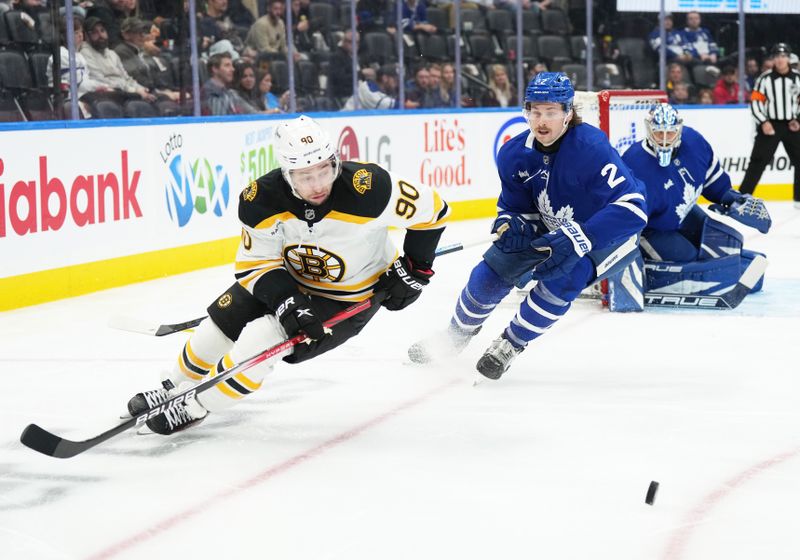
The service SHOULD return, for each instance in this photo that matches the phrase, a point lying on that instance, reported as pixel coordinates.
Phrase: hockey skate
(441, 345)
(497, 358)
(176, 418)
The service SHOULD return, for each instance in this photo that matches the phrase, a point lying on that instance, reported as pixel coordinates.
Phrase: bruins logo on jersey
(314, 263)
(224, 300)
(250, 191)
(362, 181)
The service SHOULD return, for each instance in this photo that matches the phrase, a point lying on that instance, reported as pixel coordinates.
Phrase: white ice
(359, 455)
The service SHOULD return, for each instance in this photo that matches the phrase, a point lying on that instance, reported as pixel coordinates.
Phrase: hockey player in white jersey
(686, 250)
(314, 240)
(569, 214)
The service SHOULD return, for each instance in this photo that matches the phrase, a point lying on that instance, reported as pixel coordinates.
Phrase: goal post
(618, 113)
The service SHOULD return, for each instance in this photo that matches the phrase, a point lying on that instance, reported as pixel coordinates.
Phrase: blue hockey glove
(744, 209)
(564, 247)
(514, 232)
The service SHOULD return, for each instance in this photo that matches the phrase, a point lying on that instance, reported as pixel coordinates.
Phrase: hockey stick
(52, 445)
(143, 327)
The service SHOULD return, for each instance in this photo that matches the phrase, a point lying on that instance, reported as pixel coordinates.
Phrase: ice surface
(360, 455)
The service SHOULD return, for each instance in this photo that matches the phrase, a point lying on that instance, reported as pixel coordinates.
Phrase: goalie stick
(47, 443)
(144, 327)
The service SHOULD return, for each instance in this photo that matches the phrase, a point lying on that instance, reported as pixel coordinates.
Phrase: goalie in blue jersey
(686, 250)
(569, 214)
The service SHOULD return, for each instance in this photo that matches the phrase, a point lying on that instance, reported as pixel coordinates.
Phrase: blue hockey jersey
(673, 190)
(583, 181)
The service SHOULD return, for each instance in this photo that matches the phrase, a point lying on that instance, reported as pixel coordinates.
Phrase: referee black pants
(764, 148)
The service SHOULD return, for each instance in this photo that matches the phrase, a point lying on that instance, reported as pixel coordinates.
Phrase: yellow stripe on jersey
(186, 371)
(195, 359)
(438, 205)
(335, 285)
(227, 391)
(247, 265)
(269, 222)
(350, 218)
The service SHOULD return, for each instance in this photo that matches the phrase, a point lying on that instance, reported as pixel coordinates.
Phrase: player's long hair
(575, 120)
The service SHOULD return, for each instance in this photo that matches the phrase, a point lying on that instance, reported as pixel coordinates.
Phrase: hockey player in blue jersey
(686, 250)
(569, 214)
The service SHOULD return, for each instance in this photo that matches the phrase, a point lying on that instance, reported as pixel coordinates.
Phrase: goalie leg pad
(626, 288)
(667, 246)
(747, 258)
(719, 240)
(707, 277)
(257, 336)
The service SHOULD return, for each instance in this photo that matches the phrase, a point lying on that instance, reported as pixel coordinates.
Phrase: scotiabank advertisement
(77, 195)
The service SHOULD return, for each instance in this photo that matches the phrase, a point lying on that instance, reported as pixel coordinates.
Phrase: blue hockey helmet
(662, 120)
(550, 87)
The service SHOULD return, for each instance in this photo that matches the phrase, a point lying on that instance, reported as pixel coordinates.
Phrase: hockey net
(618, 113)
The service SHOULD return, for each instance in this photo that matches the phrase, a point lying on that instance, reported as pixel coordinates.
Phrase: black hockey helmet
(780, 48)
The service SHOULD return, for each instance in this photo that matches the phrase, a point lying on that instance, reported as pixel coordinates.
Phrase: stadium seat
(39, 62)
(307, 82)
(531, 24)
(554, 48)
(14, 71)
(4, 38)
(439, 18)
(608, 76)
(577, 74)
(530, 49)
(634, 48)
(106, 109)
(500, 23)
(378, 48)
(705, 76)
(46, 28)
(280, 76)
(37, 105)
(481, 48)
(432, 47)
(324, 16)
(472, 20)
(555, 22)
(167, 108)
(451, 48)
(135, 109)
(19, 33)
(577, 45)
(10, 111)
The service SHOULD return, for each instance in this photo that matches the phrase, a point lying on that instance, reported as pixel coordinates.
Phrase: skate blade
(144, 431)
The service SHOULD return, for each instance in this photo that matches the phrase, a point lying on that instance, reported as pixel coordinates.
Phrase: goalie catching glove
(564, 247)
(296, 315)
(744, 209)
(402, 283)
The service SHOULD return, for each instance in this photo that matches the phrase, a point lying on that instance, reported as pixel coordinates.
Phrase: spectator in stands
(105, 66)
(676, 41)
(726, 91)
(379, 94)
(751, 70)
(371, 15)
(500, 93)
(341, 76)
(111, 13)
(447, 86)
(221, 20)
(705, 96)
(152, 72)
(766, 65)
(301, 27)
(414, 18)
(268, 33)
(216, 96)
(84, 84)
(536, 69)
(269, 100)
(700, 44)
(417, 91)
(244, 80)
(680, 94)
(676, 73)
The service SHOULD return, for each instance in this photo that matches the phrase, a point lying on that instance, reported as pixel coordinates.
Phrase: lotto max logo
(193, 188)
(510, 128)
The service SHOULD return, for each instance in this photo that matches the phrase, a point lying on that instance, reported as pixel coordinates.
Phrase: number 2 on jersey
(611, 170)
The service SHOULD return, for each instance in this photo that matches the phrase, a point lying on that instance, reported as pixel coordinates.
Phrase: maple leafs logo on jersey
(553, 220)
(362, 181)
(690, 194)
(668, 184)
(523, 174)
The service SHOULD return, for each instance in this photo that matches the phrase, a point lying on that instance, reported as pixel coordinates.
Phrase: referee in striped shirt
(775, 106)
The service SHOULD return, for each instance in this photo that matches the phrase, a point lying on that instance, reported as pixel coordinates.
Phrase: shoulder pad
(263, 198)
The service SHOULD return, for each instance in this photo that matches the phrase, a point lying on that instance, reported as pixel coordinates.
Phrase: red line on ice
(681, 536)
(167, 524)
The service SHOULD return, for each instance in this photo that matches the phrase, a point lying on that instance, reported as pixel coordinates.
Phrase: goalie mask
(664, 127)
(301, 143)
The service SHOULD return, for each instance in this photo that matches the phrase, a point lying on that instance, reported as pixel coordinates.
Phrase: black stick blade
(41, 440)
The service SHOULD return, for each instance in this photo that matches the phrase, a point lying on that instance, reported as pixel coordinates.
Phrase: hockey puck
(651, 493)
